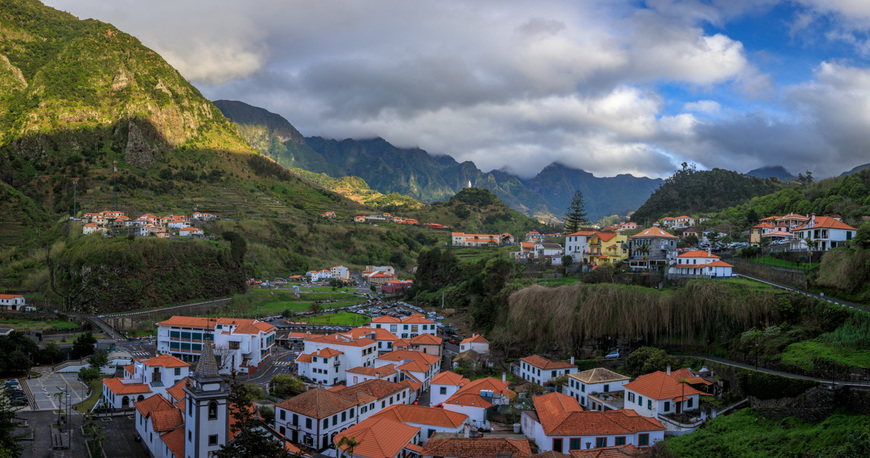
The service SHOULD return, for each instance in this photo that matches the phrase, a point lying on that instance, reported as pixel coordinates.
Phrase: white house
(443, 385)
(177, 224)
(476, 342)
(324, 359)
(405, 328)
(428, 419)
(419, 366)
(824, 233)
(361, 374)
(559, 424)
(189, 232)
(592, 388)
(240, 344)
(540, 370)
(380, 437)
(373, 396)
(383, 337)
(699, 263)
(659, 393)
(475, 398)
(143, 379)
(319, 275)
(314, 417)
(577, 244)
(549, 250)
(340, 272)
(12, 302)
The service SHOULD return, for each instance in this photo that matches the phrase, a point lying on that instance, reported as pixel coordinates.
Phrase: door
(680, 407)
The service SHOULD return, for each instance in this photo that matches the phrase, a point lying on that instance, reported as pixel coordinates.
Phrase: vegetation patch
(804, 354)
(37, 325)
(339, 319)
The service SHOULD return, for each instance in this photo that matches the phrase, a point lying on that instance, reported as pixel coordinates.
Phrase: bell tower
(206, 416)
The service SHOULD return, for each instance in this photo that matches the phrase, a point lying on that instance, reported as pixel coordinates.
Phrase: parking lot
(44, 389)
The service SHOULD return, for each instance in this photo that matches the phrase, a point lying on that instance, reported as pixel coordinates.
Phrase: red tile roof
(378, 437)
(118, 387)
(461, 447)
(697, 254)
(561, 415)
(618, 451)
(380, 334)
(403, 355)
(371, 390)
(150, 404)
(660, 386)
(341, 339)
(426, 339)
(175, 441)
(166, 419)
(405, 413)
(475, 339)
(317, 403)
(653, 232)
(825, 222)
(382, 371)
(545, 364)
(718, 264)
(177, 390)
(165, 360)
(449, 378)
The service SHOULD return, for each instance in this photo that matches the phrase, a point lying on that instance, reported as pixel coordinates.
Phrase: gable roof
(379, 334)
(151, 404)
(341, 339)
(653, 232)
(477, 338)
(469, 394)
(659, 385)
(406, 413)
(317, 403)
(370, 390)
(165, 360)
(448, 378)
(618, 451)
(561, 415)
(404, 355)
(118, 387)
(545, 364)
(166, 419)
(698, 254)
(825, 222)
(177, 390)
(378, 437)
(426, 339)
(489, 447)
(175, 441)
(598, 375)
(382, 371)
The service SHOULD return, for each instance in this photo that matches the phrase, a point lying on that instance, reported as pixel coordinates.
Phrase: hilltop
(426, 177)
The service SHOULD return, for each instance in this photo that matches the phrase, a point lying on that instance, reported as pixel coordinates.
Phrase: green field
(747, 434)
(553, 282)
(327, 289)
(770, 260)
(88, 404)
(33, 325)
(802, 354)
(340, 319)
(270, 302)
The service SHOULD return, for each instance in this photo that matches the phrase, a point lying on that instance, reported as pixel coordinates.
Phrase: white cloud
(703, 106)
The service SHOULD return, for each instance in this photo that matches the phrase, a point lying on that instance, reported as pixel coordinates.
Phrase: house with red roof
(12, 302)
(325, 358)
(383, 337)
(661, 393)
(416, 366)
(476, 398)
(443, 445)
(240, 344)
(380, 437)
(443, 385)
(189, 231)
(652, 248)
(821, 233)
(428, 419)
(558, 423)
(577, 244)
(475, 240)
(405, 328)
(361, 374)
(540, 370)
(425, 343)
(476, 342)
(596, 389)
(700, 264)
(144, 379)
(606, 247)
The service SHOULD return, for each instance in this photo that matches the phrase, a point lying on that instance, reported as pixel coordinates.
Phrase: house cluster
(383, 218)
(803, 233)
(144, 225)
(677, 222)
(337, 272)
(481, 240)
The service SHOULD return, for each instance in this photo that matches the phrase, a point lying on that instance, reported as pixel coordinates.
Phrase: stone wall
(795, 278)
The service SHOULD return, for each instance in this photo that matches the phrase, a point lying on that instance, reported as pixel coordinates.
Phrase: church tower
(206, 416)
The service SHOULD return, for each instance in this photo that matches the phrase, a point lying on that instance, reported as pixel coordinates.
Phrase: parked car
(612, 355)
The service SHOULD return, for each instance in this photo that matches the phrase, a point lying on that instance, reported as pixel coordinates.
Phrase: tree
(648, 359)
(285, 386)
(349, 442)
(251, 439)
(567, 260)
(9, 442)
(51, 353)
(83, 345)
(267, 413)
(254, 392)
(862, 236)
(17, 361)
(576, 216)
(315, 308)
(89, 374)
(99, 359)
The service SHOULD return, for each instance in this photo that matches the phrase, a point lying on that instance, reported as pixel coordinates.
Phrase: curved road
(779, 373)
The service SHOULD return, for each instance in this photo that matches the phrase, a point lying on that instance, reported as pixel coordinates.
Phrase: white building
(475, 398)
(444, 385)
(699, 263)
(319, 275)
(559, 424)
(383, 337)
(143, 379)
(660, 393)
(189, 231)
(340, 272)
(420, 367)
(577, 244)
(405, 328)
(824, 233)
(540, 370)
(476, 342)
(12, 302)
(324, 359)
(428, 419)
(240, 344)
(590, 387)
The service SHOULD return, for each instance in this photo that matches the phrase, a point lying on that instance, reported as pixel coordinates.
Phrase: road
(807, 293)
(779, 373)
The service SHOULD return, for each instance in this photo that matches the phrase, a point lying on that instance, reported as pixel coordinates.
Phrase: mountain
(691, 191)
(416, 173)
(772, 172)
(856, 170)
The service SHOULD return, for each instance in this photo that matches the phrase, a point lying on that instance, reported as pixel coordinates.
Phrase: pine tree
(576, 217)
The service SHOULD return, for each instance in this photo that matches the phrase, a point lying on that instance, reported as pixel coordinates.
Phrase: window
(574, 444)
(351, 413)
(553, 374)
(442, 390)
(325, 422)
(620, 440)
(308, 423)
(177, 371)
(343, 416)
(600, 442)
(189, 436)
(643, 439)
(557, 445)
(583, 387)
(630, 397)
(212, 410)
(607, 388)
(689, 403)
(640, 401)
(283, 431)
(283, 414)
(649, 404)
(667, 406)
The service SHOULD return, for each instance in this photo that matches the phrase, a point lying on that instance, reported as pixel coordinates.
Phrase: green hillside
(691, 191)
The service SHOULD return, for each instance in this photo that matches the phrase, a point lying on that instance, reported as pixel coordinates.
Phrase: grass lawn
(327, 289)
(801, 354)
(88, 404)
(553, 282)
(340, 319)
(327, 296)
(70, 338)
(747, 434)
(32, 325)
(770, 260)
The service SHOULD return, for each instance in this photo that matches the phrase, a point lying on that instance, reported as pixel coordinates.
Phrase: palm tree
(683, 382)
(349, 442)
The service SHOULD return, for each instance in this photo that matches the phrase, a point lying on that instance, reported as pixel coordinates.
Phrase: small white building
(340, 272)
(659, 393)
(443, 385)
(540, 370)
(12, 302)
(824, 233)
(475, 398)
(591, 387)
(314, 417)
(699, 263)
(577, 244)
(476, 342)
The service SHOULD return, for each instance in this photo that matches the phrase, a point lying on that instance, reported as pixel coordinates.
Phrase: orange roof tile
(341, 339)
(697, 254)
(317, 403)
(177, 390)
(659, 385)
(412, 383)
(118, 387)
(545, 364)
(461, 447)
(426, 339)
(653, 232)
(449, 378)
(382, 371)
(618, 451)
(477, 338)
(825, 222)
(468, 400)
(175, 441)
(718, 264)
(130, 369)
(401, 343)
(561, 415)
(386, 319)
(404, 355)
(165, 420)
(165, 360)
(405, 413)
(152, 403)
(371, 390)
(378, 437)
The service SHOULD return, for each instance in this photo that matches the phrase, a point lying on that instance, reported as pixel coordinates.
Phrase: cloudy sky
(607, 86)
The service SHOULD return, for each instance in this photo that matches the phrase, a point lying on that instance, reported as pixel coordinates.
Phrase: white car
(612, 355)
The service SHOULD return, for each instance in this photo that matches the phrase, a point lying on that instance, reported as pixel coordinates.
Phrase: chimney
(503, 377)
(572, 360)
(467, 432)
(669, 370)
